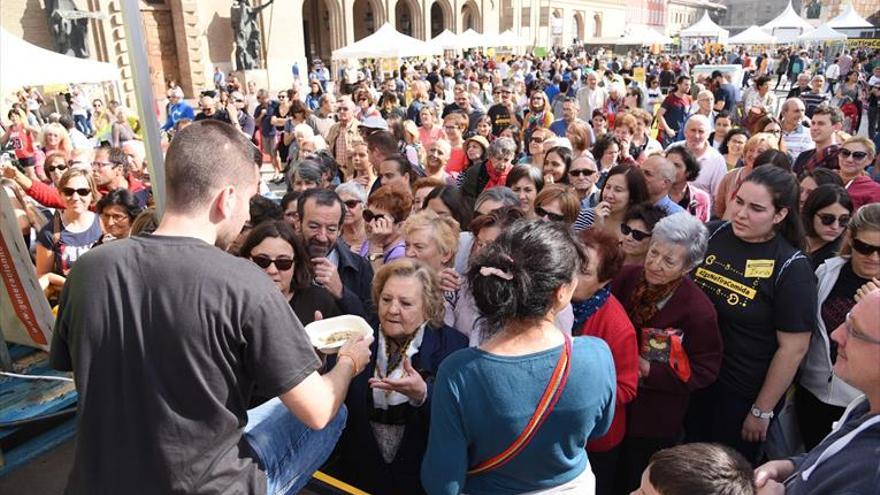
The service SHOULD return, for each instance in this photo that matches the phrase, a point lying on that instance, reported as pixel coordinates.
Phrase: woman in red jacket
(599, 314)
(679, 340)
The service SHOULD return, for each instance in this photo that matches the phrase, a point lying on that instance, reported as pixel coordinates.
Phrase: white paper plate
(319, 331)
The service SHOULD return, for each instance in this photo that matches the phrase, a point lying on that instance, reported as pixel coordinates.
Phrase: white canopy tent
(849, 18)
(446, 40)
(643, 36)
(788, 25)
(386, 42)
(507, 38)
(24, 64)
(705, 28)
(471, 39)
(753, 36)
(822, 33)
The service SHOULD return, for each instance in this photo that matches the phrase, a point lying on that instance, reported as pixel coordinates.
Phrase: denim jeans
(287, 450)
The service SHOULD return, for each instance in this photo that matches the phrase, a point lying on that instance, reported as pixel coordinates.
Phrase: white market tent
(822, 33)
(446, 40)
(643, 36)
(386, 42)
(849, 18)
(24, 64)
(507, 38)
(705, 28)
(753, 36)
(471, 39)
(788, 25)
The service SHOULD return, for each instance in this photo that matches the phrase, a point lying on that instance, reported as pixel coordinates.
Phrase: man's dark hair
(66, 121)
(403, 165)
(204, 157)
(322, 197)
(701, 468)
(263, 209)
(382, 141)
(118, 158)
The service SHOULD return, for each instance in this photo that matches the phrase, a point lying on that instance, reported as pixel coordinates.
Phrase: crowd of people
(578, 281)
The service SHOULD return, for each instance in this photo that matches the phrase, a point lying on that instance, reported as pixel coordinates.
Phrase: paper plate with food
(332, 333)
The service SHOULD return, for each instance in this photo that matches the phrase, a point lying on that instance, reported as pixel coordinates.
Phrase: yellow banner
(865, 42)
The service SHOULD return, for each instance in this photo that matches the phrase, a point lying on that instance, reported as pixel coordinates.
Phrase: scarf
(583, 310)
(389, 364)
(496, 178)
(823, 158)
(645, 300)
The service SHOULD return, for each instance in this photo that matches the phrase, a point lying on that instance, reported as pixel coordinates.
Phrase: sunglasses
(829, 219)
(536, 140)
(369, 216)
(351, 204)
(51, 168)
(863, 247)
(857, 155)
(638, 235)
(82, 191)
(584, 172)
(282, 264)
(554, 217)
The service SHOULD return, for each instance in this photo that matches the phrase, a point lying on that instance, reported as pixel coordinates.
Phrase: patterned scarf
(583, 310)
(646, 298)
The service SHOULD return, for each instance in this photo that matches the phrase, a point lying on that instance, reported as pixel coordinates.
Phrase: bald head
(696, 133)
(659, 176)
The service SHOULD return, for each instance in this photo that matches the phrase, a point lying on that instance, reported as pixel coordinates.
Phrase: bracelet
(353, 362)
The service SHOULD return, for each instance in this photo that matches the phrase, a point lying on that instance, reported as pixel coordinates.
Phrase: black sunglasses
(542, 213)
(369, 216)
(282, 264)
(863, 247)
(585, 172)
(858, 155)
(60, 168)
(351, 204)
(829, 219)
(636, 234)
(82, 191)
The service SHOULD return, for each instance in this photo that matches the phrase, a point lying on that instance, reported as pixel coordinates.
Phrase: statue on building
(69, 27)
(248, 45)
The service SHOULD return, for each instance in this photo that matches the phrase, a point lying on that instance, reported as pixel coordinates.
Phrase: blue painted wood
(37, 446)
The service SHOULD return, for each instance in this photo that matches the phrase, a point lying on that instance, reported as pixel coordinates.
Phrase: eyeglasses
(282, 97)
(554, 217)
(103, 164)
(857, 155)
(538, 140)
(369, 216)
(583, 172)
(638, 235)
(774, 131)
(70, 191)
(856, 333)
(829, 219)
(263, 261)
(52, 168)
(863, 247)
(115, 218)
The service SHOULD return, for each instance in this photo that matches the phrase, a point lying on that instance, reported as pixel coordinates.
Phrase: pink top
(427, 137)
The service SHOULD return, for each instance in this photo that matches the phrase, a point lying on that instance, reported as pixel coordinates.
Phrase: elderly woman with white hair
(679, 340)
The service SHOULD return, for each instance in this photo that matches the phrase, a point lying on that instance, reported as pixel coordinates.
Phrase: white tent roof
(705, 27)
(822, 33)
(386, 42)
(446, 40)
(849, 18)
(788, 19)
(753, 36)
(507, 38)
(24, 64)
(471, 39)
(643, 36)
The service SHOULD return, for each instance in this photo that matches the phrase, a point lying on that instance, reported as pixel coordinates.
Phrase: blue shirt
(559, 127)
(668, 205)
(482, 402)
(177, 111)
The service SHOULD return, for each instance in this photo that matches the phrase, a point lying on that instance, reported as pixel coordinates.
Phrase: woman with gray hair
(354, 228)
(492, 172)
(679, 340)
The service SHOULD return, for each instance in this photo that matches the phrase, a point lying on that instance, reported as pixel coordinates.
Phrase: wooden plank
(37, 446)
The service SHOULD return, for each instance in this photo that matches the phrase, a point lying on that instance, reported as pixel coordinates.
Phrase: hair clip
(488, 271)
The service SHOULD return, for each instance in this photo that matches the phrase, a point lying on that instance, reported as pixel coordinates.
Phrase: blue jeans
(287, 450)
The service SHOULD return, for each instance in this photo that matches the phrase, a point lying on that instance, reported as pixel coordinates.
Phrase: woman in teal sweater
(485, 397)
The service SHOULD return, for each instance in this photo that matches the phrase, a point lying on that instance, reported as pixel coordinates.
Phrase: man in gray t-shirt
(169, 337)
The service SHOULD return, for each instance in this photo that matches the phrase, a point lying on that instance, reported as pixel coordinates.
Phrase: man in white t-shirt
(795, 135)
(712, 164)
(591, 97)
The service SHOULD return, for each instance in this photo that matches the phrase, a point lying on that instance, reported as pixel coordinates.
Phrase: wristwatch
(758, 413)
(375, 256)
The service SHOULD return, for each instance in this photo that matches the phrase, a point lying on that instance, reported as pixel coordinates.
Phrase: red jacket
(611, 324)
(863, 190)
(46, 195)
